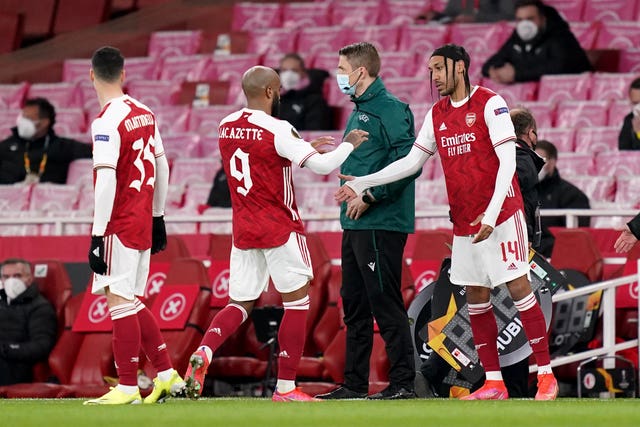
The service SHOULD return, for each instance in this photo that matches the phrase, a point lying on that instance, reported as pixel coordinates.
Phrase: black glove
(158, 235)
(96, 255)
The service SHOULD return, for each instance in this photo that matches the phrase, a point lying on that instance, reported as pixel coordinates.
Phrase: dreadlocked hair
(455, 53)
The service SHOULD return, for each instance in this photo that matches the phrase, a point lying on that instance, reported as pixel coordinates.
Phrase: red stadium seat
(185, 144)
(423, 39)
(597, 188)
(174, 43)
(383, 37)
(474, 37)
(571, 10)
(14, 197)
(314, 40)
(611, 86)
(586, 33)
(73, 15)
(430, 193)
(144, 68)
(61, 95)
(575, 249)
(560, 87)
(630, 61)
(206, 120)
(8, 120)
(196, 194)
(618, 35)
(53, 197)
(342, 13)
(597, 139)
(398, 64)
(11, 25)
(271, 40)
(154, 93)
(401, 12)
(581, 113)
(12, 95)
(576, 164)
(562, 138)
(301, 15)
(310, 196)
(617, 112)
(232, 67)
(419, 113)
(514, 94)
(172, 119)
(76, 70)
(543, 111)
(627, 191)
(80, 172)
(618, 163)
(184, 68)
(70, 121)
(187, 171)
(409, 89)
(38, 15)
(247, 16)
(609, 10)
(178, 252)
(54, 284)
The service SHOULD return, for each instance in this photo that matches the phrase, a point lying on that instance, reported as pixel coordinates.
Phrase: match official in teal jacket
(375, 228)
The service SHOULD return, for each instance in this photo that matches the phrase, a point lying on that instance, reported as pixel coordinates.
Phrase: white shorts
(288, 265)
(502, 257)
(127, 272)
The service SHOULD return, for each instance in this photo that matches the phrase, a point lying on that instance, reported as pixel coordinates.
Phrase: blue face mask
(343, 83)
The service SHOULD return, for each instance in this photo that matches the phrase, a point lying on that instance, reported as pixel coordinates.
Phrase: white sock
(494, 376)
(544, 369)
(285, 386)
(207, 351)
(165, 375)
(127, 389)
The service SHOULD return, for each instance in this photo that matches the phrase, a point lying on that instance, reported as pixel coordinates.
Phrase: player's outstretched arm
(401, 168)
(325, 163)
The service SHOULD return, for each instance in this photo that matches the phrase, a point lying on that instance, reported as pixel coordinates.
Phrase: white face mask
(542, 174)
(14, 287)
(26, 127)
(526, 30)
(636, 110)
(289, 79)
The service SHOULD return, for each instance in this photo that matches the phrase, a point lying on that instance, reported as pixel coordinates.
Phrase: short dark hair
(635, 84)
(455, 53)
(522, 120)
(46, 110)
(362, 54)
(12, 261)
(107, 63)
(552, 151)
(295, 56)
(523, 3)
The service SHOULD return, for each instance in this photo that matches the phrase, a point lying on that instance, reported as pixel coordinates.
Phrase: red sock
(126, 342)
(535, 328)
(291, 337)
(152, 341)
(223, 324)
(485, 335)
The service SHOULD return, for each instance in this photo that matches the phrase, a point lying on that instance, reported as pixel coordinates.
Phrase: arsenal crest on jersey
(470, 119)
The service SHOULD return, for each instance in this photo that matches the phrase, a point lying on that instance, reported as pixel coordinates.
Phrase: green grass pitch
(262, 412)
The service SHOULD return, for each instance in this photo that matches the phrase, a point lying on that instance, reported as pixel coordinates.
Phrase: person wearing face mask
(556, 193)
(34, 152)
(542, 43)
(27, 323)
(375, 228)
(470, 11)
(302, 103)
(629, 138)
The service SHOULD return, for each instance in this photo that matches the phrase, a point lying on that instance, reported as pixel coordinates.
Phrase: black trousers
(371, 273)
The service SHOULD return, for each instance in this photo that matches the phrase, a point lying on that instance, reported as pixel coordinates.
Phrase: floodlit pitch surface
(262, 412)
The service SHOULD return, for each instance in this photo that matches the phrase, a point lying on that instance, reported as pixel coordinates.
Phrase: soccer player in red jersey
(257, 151)
(471, 129)
(131, 177)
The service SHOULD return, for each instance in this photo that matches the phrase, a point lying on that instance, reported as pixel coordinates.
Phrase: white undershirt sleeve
(161, 185)
(324, 163)
(105, 193)
(506, 153)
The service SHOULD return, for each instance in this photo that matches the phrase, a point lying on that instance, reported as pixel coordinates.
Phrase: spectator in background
(629, 138)
(34, 153)
(471, 11)
(27, 323)
(556, 193)
(302, 103)
(541, 43)
(219, 195)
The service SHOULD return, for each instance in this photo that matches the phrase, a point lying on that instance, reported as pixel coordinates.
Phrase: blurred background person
(27, 323)
(629, 138)
(34, 152)
(557, 193)
(542, 43)
(302, 102)
(471, 11)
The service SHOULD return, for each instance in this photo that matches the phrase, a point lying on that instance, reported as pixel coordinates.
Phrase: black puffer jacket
(555, 50)
(306, 109)
(528, 164)
(27, 332)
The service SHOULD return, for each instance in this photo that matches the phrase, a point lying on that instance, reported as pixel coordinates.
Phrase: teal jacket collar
(372, 91)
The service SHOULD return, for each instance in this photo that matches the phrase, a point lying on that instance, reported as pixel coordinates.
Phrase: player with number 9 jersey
(126, 138)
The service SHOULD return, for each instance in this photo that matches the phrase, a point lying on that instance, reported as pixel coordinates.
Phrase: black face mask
(275, 107)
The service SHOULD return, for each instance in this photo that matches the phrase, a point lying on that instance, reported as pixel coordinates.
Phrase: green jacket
(391, 135)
